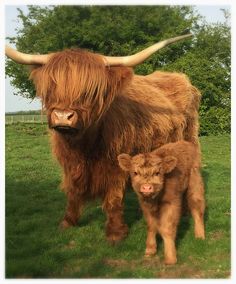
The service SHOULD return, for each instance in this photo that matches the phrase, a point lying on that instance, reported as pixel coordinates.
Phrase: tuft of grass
(35, 248)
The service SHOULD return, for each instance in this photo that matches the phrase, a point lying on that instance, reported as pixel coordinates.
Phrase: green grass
(35, 248)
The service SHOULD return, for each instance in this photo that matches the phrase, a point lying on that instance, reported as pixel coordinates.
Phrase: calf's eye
(135, 173)
(156, 174)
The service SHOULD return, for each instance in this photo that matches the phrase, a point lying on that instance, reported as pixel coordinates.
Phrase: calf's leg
(151, 246)
(167, 227)
(196, 202)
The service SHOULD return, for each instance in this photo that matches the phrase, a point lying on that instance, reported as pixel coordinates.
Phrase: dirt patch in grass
(179, 271)
(70, 245)
(162, 270)
(151, 262)
(116, 262)
(217, 235)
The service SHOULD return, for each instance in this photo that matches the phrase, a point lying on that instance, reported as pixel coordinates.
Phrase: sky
(16, 103)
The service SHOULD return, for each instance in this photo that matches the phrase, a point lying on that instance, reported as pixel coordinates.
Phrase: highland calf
(160, 178)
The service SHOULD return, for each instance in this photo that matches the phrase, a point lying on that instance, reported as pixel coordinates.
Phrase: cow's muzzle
(64, 121)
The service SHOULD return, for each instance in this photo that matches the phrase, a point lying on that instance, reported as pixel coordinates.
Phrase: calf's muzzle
(146, 189)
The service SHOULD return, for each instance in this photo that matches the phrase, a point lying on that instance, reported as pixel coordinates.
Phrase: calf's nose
(146, 188)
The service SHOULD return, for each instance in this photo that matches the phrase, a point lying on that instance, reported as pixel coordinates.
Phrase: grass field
(35, 248)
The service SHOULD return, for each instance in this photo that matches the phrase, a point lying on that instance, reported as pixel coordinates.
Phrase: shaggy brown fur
(117, 112)
(160, 178)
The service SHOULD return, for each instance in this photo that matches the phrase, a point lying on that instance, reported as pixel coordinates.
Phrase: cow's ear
(124, 161)
(119, 78)
(169, 163)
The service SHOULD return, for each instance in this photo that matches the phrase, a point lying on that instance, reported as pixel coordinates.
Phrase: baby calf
(160, 178)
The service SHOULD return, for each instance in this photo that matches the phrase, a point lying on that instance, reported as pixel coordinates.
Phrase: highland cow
(160, 178)
(96, 110)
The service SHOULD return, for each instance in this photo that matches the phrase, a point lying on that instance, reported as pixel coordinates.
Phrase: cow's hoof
(114, 237)
(64, 225)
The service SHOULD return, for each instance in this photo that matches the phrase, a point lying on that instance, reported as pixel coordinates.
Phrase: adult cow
(97, 108)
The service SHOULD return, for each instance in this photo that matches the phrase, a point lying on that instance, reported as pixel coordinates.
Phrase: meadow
(36, 248)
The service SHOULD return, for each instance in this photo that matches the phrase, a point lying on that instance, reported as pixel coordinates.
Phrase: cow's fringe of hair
(76, 76)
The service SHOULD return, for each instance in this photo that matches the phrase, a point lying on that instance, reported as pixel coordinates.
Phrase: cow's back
(179, 92)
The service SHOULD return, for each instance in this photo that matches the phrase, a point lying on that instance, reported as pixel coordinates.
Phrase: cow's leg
(74, 183)
(196, 202)
(113, 205)
(169, 219)
(73, 210)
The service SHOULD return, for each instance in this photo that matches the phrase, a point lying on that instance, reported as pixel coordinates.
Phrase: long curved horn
(28, 59)
(135, 59)
(131, 60)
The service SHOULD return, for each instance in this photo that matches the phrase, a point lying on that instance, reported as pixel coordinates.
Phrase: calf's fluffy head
(147, 171)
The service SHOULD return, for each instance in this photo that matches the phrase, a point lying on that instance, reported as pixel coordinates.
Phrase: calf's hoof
(150, 253)
(200, 235)
(170, 261)
(116, 235)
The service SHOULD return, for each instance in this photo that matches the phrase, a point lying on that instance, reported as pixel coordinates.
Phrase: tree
(123, 30)
(208, 65)
(110, 30)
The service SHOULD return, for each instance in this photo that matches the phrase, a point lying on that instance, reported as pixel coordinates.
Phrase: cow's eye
(135, 173)
(157, 173)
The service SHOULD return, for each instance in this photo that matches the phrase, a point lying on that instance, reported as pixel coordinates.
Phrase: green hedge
(215, 121)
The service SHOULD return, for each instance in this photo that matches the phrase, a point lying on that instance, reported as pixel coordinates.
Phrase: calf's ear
(169, 163)
(124, 161)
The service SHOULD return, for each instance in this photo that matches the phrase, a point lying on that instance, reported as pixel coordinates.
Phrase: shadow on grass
(92, 212)
(205, 176)
(184, 224)
(132, 211)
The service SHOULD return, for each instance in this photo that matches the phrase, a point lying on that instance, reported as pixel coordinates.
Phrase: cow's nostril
(70, 116)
